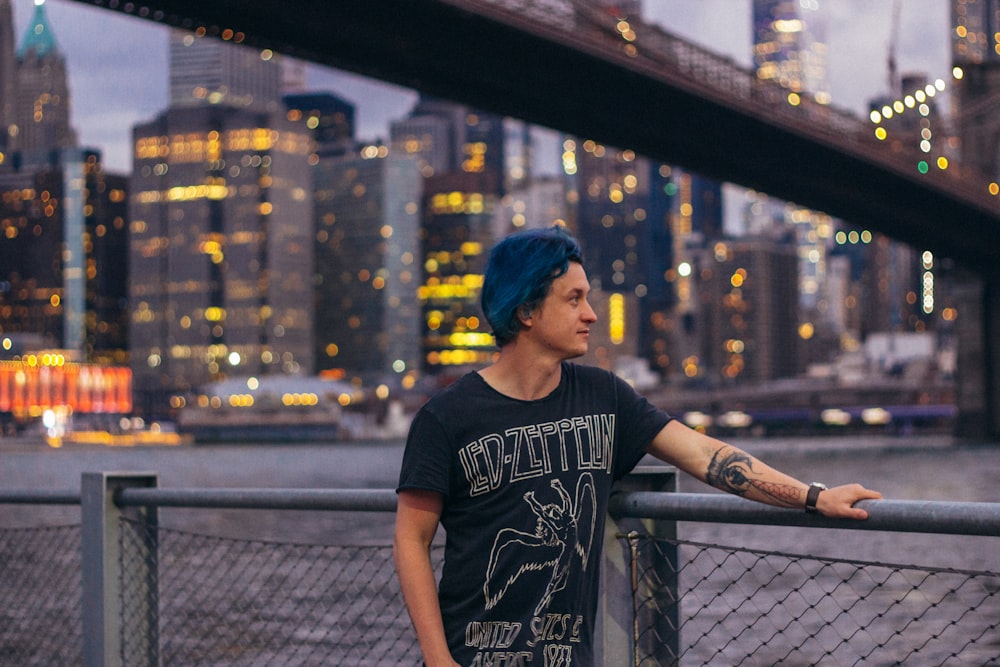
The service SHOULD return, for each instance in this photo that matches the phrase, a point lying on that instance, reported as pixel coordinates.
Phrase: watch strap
(812, 496)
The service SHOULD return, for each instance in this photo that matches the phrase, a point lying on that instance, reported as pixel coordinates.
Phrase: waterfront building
(748, 324)
(621, 213)
(221, 250)
(459, 152)
(456, 237)
(368, 265)
(694, 216)
(63, 256)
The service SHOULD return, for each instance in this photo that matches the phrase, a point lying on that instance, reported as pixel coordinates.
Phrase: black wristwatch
(812, 496)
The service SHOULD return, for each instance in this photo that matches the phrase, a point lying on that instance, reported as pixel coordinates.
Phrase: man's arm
(417, 517)
(731, 469)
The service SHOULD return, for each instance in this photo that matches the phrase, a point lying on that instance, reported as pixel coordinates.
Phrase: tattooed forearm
(783, 494)
(728, 470)
(732, 470)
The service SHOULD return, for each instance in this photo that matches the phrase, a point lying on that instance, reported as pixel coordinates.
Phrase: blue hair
(520, 271)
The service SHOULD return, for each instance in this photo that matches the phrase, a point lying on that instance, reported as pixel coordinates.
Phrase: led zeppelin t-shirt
(526, 487)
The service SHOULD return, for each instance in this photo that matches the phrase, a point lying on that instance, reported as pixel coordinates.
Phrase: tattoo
(730, 470)
(785, 494)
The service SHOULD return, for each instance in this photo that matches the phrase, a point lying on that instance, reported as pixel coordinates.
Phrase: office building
(63, 257)
(456, 237)
(221, 249)
(209, 70)
(621, 213)
(976, 57)
(8, 78)
(747, 294)
(789, 45)
(447, 138)
(328, 118)
(368, 265)
(460, 155)
(975, 34)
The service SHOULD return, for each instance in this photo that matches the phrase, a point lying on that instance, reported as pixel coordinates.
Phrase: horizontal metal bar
(904, 516)
(350, 500)
(913, 516)
(39, 497)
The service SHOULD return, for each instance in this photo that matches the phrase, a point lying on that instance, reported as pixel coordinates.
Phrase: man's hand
(837, 502)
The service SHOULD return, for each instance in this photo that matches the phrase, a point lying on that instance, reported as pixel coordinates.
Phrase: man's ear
(524, 313)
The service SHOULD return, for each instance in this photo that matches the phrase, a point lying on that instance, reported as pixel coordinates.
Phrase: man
(517, 460)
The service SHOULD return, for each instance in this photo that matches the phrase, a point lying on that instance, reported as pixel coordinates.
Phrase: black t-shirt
(526, 487)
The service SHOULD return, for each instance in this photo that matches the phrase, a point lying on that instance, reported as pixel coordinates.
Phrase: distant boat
(267, 409)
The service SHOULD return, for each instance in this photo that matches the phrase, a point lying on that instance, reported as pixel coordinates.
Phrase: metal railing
(162, 596)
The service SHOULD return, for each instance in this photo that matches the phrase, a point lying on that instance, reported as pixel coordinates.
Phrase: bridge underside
(524, 71)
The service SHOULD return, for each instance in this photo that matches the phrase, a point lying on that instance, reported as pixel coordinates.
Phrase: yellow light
(616, 318)
(794, 99)
(994, 188)
(215, 314)
(942, 162)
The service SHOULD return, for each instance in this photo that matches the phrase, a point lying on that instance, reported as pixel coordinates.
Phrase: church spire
(39, 40)
(43, 104)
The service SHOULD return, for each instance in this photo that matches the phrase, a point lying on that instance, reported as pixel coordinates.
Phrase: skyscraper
(750, 315)
(975, 35)
(8, 78)
(622, 218)
(64, 270)
(208, 70)
(221, 235)
(460, 155)
(42, 111)
(790, 46)
(976, 54)
(368, 265)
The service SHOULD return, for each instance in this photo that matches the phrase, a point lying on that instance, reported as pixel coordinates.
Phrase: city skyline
(108, 99)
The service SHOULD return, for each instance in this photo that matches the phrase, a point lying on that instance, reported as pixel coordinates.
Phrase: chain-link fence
(40, 615)
(751, 607)
(242, 602)
(182, 598)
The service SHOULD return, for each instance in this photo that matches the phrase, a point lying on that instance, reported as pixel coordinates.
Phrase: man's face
(561, 323)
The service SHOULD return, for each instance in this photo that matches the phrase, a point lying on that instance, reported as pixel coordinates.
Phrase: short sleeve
(641, 422)
(427, 456)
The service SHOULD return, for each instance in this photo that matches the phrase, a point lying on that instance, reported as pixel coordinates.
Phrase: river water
(906, 468)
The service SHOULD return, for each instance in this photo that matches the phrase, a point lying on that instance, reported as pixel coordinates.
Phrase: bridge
(567, 65)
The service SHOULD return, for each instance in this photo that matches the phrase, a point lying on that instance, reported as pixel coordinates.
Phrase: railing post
(105, 626)
(619, 641)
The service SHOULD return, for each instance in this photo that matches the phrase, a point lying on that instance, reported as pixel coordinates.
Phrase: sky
(118, 64)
